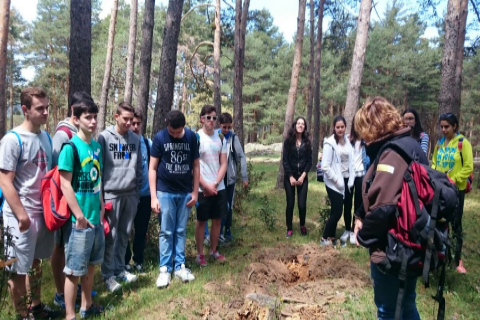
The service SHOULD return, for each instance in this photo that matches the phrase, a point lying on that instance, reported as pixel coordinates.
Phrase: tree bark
(356, 73)
(11, 96)
(446, 98)
(457, 95)
(241, 16)
(292, 92)
(146, 60)
(168, 61)
(217, 99)
(311, 67)
(4, 23)
(316, 106)
(80, 53)
(132, 40)
(184, 86)
(108, 69)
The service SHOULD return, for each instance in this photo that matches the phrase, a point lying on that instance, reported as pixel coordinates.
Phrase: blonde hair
(377, 118)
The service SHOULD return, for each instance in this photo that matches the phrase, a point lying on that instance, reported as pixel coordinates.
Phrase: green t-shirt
(86, 180)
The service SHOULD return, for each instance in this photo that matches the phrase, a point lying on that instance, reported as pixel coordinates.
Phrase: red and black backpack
(418, 240)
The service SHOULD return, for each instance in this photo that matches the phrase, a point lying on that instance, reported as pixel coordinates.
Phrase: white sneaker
(112, 284)
(164, 277)
(127, 277)
(128, 267)
(353, 239)
(137, 267)
(184, 274)
(345, 236)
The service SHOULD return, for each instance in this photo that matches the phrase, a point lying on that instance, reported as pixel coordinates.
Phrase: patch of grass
(142, 300)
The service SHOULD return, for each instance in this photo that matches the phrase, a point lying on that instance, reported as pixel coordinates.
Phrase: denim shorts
(84, 247)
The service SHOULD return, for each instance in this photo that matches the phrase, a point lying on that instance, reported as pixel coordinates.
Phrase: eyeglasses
(446, 115)
(227, 127)
(214, 118)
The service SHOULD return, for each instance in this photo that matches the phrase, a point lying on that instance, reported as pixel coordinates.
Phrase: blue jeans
(173, 233)
(385, 291)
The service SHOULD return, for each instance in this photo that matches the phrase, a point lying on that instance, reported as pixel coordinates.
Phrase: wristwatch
(216, 184)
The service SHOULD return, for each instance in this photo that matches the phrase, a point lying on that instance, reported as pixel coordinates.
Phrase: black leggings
(338, 203)
(347, 205)
(302, 200)
(457, 227)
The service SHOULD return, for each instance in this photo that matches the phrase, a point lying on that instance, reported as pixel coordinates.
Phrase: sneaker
(221, 238)
(345, 236)
(217, 256)
(184, 274)
(94, 310)
(326, 242)
(303, 230)
(200, 259)
(353, 239)
(228, 235)
(127, 277)
(164, 277)
(206, 241)
(461, 269)
(137, 267)
(128, 267)
(43, 311)
(112, 284)
(59, 300)
(289, 233)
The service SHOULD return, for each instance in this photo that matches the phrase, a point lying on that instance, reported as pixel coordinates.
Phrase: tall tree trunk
(4, 22)
(132, 40)
(356, 73)
(457, 95)
(184, 86)
(217, 98)
(311, 67)
(168, 61)
(11, 97)
(54, 91)
(292, 92)
(446, 98)
(316, 106)
(146, 60)
(80, 49)
(108, 69)
(241, 16)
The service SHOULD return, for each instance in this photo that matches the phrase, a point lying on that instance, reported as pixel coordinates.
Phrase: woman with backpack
(297, 161)
(453, 155)
(379, 123)
(339, 176)
(360, 165)
(411, 119)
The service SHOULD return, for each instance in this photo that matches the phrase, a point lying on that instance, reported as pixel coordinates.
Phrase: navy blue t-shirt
(174, 172)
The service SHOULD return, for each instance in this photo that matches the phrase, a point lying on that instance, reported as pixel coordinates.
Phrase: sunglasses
(446, 115)
(227, 127)
(214, 118)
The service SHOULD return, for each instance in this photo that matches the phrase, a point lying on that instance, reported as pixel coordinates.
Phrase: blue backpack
(2, 198)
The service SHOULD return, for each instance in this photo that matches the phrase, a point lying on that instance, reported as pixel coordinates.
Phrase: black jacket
(296, 161)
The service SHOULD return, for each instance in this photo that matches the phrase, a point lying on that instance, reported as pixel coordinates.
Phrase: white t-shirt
(210, 149)
(344, 155)
(35, 162)
(358, 157)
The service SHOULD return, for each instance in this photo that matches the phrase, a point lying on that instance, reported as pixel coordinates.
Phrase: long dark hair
(354, 137)
(337, 119)
(417, 128)
(292, 135)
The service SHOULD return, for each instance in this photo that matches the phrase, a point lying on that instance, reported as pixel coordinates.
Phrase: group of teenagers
(346, 161)
(115, 180)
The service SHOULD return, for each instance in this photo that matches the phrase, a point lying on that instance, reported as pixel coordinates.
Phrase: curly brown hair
(377, 118)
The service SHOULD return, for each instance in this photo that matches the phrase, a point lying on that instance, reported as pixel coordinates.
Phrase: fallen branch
(293, 300)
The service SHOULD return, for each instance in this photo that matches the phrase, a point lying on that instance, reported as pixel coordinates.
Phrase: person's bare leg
(58, 263)
(70, 290)
(214, 233)
(34, 284)
(87, 285)
(199, 234)
(18, 291)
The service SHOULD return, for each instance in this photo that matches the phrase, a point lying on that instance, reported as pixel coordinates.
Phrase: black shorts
(214, 207)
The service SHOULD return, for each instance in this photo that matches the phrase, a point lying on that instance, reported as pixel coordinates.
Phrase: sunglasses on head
(445, 115)
(214, 118)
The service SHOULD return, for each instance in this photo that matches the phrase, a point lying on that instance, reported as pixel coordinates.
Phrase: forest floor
(295, 278)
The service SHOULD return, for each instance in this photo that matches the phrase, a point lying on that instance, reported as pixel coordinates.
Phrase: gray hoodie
(122, 163)
(60, 138)
(231, 176)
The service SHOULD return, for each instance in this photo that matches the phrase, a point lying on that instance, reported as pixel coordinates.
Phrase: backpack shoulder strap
(66, 130)
(222, 137)
(49, 138)
(147, 145)
(19, 142)
(76, 159)
(460, 147)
